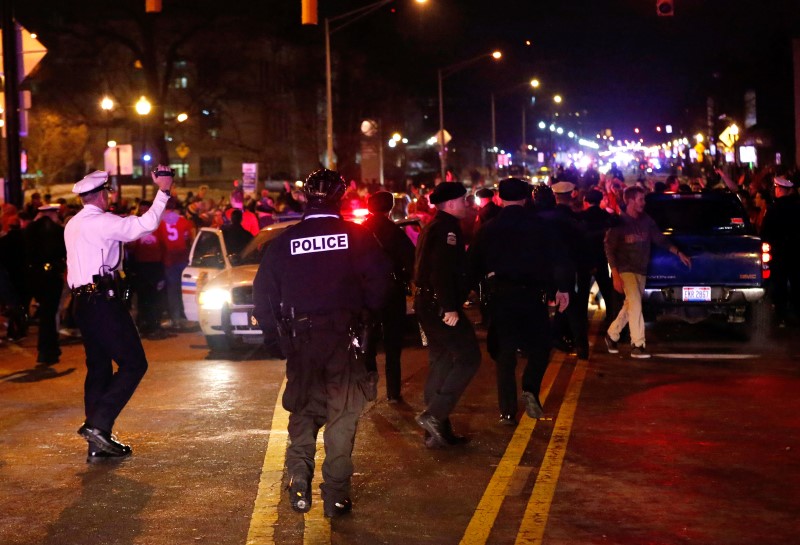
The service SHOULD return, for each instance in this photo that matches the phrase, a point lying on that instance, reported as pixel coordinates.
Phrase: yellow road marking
(534, 520)
(318, 528)
(265, 511)
(480, 525)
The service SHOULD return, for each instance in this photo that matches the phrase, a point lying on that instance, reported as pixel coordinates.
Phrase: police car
(217, 287)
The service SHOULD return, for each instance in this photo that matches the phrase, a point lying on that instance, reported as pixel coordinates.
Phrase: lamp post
(107, 104)
(345, 19)
(534, 83)
(443, 73)
(143, 108)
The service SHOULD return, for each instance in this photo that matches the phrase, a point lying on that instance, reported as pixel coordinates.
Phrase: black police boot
(96, 455)
(532, 406)
(433, 426)
(507, 419)
(103, 440)
(333, 509)
(300, 495)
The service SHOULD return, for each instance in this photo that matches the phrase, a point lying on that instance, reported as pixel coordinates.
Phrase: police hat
(783, 182)
(563, 187)
(91, 182)
(514, 189)
(447, 191)
(48, 208)
(381, 202)
(484, 193)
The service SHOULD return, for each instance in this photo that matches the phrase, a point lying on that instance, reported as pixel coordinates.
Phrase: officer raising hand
(94, 239)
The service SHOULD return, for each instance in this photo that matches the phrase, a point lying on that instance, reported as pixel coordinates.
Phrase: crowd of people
(33, 264)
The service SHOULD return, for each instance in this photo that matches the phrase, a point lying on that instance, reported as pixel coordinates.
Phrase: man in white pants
(628, 251)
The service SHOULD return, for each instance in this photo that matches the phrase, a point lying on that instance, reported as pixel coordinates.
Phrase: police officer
(571, 328)
(442, 287)
(314, 284)
(399, 248)
(46, 256)
(596, 223)
(520, 257)
(94, 239)
(781, 228)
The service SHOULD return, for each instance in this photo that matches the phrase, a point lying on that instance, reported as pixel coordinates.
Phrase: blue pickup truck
(729, 261)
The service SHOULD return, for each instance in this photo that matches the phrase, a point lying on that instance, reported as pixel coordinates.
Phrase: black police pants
(574, 322)
(518, 320)
(323, 389)
(610, 296)
(108, 334)
(453, 357)
(47, 290)
(147, 279)
(392, 325)
(785, 280)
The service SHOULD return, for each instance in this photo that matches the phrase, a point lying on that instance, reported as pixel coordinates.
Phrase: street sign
(182, 150)
(119, 156)
(31, 51)
(249, 178)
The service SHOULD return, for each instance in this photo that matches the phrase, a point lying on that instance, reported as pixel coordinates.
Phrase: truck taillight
(766, 257)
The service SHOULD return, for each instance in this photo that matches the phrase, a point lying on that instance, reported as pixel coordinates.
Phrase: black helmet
(324, 187)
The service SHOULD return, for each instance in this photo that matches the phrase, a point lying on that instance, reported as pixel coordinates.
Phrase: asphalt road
(697, 445)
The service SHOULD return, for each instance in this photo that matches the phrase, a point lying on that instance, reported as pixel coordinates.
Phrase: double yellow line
(534, 521)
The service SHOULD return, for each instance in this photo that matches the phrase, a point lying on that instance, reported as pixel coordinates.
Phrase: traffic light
(309, 12)
(665, 8)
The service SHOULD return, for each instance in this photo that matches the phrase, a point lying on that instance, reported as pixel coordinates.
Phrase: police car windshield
(254, 251)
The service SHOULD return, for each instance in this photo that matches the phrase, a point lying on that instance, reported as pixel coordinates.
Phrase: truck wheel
(217, 342)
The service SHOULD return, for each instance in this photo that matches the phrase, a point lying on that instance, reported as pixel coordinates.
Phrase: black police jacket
(521, 249)
(396, 244)
(321, 265)
(44, 244)
(441, 262)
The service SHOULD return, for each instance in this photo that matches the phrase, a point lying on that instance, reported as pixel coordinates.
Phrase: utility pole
(11, 48)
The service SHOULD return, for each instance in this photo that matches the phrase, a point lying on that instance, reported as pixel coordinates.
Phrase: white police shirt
(93, 239)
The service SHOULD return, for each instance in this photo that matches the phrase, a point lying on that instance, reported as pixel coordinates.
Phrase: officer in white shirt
(94, 239)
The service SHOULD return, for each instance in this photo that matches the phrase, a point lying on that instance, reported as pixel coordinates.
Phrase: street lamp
(346, 19)
(143, 108)
(443, 73)
(534, 84)
(107, 104)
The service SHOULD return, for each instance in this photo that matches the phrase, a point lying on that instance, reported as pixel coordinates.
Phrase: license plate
(702, 293)
(239, 318)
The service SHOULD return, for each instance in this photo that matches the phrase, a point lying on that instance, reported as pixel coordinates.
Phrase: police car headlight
(214, 298)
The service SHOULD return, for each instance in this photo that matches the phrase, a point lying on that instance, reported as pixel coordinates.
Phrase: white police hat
(783, 182)
(563, 187)
(91, 182)
(48, 208)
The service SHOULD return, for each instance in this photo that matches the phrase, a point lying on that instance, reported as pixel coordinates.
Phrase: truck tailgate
(733, 261)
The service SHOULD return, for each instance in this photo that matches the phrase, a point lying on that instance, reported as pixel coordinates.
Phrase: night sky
(615, 58)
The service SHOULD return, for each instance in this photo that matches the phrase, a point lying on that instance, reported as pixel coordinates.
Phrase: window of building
(210, 166)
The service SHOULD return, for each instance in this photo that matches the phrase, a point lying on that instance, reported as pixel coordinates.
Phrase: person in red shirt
(175, 233)
(146, 257)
